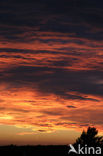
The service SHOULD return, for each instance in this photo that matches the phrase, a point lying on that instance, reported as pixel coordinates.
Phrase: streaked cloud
(51, 74)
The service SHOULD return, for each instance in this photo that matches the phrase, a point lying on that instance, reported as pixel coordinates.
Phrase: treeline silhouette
(89, 138)
(33, 150)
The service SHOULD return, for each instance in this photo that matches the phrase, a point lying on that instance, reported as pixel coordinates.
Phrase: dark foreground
(33, 150)
(37, 151)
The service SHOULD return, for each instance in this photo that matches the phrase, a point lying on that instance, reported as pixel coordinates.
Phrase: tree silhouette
(90, 138)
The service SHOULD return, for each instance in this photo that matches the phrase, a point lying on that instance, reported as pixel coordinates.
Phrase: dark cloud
(71, 106)
(2, 108)
(42, 131)
(59, 81)
(53, 112)
(14, 109)
(20, 110)
(79, 20)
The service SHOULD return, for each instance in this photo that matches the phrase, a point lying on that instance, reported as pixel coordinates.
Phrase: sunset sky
(51, 70)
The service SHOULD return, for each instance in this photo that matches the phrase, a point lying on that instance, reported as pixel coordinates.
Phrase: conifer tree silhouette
(90, 138)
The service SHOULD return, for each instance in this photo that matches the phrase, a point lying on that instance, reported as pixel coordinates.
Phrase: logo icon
(72, 149)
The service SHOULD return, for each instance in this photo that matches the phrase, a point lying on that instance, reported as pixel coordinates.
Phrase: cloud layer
(51, 65)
